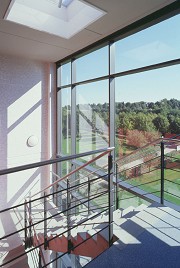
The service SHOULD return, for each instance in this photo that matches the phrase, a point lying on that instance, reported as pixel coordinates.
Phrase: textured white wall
(27, 107)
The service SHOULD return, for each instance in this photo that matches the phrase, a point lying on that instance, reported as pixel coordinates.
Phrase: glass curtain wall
(136, 79)
(147, 107)
(148, 99)
(125, 94)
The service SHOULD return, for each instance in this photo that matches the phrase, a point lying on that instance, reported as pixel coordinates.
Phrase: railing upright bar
(30, 233)
(89, 189)
(30, 219)
(117, 198)
(110, 197)
(68, 218)
(162, 172)
(39, 261)
(25, 224)
(45, 222)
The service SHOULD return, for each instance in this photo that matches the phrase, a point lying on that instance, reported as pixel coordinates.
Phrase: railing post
(68, 218)
(25, 224)
(45, 222)
(39, 262)
(117, 198)
(162, 172)
(89, 189)
(110, 201)
(30, 220)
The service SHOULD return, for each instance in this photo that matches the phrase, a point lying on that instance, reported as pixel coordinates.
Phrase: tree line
(161, 116)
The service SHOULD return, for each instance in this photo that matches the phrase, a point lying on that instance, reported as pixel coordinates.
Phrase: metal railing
(147, 169)
(86, 197)
(31, 226)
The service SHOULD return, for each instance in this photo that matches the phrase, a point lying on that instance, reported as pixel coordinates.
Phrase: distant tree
(151, 105)
(174, 103)
(161, 123)
(136, 138)
(143, 122)
(152, 135)
(125, 121)
(175, 125)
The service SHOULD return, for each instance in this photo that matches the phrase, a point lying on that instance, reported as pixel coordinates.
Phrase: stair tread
(14, 253)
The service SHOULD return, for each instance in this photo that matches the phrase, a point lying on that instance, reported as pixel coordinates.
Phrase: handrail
(77, 169)
(146, 145)
(50, 217)
(51, 161)
(139, 149)
(31, 224)
(161, 154)
(137, 165)
(41, 197)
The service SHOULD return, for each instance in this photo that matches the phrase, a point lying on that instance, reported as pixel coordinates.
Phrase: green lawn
(172, 186)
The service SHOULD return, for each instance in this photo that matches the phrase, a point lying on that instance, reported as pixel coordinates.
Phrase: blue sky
(153, 45)
(149, 86)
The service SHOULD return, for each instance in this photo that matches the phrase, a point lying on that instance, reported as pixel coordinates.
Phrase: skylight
(64, 18)
(66, 3)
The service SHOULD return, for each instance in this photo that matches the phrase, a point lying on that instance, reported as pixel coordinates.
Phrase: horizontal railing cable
(47, 195)
(145, 183)
(169, 156)
(50, 217)
(25, 203)
(142, 195)
(178, 196)
(41, 244)
(75, 170)
(173, 169)
(172, 182)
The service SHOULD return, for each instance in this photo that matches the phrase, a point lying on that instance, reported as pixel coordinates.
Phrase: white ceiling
(25, 42)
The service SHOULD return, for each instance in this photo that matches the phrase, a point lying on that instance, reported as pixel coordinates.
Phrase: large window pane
(92, 116)
(64, 75)
(92, 65)
(147, 107)
(156, 44)
(66, 120)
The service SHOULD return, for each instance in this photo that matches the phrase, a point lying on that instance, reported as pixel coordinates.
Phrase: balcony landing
(149, 238)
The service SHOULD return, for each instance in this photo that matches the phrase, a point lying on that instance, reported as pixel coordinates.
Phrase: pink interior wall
(27, 107)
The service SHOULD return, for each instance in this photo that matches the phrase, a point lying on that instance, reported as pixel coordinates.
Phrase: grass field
(171, 187)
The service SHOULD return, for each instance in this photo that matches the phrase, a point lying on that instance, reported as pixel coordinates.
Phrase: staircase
(91, 237)
(139, 233)
(84, 239)
(21, 262)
